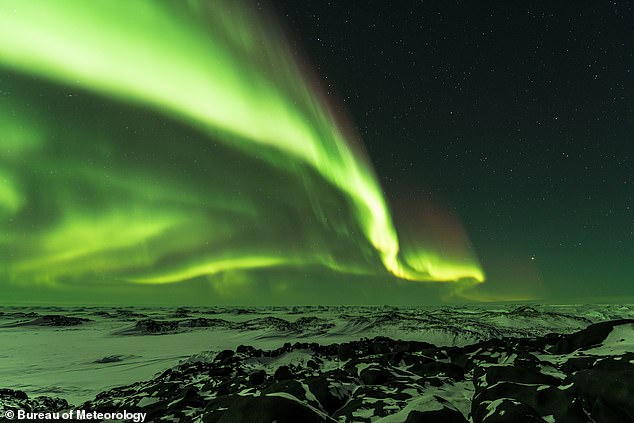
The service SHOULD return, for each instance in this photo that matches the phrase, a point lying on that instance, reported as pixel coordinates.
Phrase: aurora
(156, 142)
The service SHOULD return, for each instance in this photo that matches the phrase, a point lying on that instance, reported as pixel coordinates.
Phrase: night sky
(316, 152)
(518, 116)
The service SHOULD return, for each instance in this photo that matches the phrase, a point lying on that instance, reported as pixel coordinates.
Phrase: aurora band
(220, 68)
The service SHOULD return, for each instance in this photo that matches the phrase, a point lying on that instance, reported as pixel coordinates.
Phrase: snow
(294, 398)
(60, 361)
(618, 342)
(492, 407)
(364, 413)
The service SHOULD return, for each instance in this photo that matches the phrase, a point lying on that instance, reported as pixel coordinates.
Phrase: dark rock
(267, 409)
(21, 314)
(221, 371)
(246, 350)
(375, 400)
(380, 347)
(224, 356)
(444, 415)
(129, 314)
(321, 389)
(257, 377)
(18, 400)
(291, 387)
(345, 351)
(110, 359)
(589, 337)
(411, 346)
(524, 310)
(312, 364)
(434, 381)
(543, 399)
(10, 393)
(516, 374)
(375, 375)
(202, 322)
(436, 368)
(505, 410)
(607, 390)
(57, 320)
(150, 326)
(283, 373)
(575, 364)
(181, 312)
(44, 403)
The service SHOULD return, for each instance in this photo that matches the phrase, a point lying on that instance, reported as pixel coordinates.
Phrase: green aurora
(150, 143)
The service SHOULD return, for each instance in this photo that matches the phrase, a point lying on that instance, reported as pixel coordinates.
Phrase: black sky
(519, 115)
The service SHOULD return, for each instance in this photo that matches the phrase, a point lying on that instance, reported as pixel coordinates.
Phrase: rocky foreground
(586, 376)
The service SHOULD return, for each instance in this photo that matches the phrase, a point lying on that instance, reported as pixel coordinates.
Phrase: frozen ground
(76, 359)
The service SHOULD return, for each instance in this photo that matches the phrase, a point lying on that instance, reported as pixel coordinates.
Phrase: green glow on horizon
(216, 68)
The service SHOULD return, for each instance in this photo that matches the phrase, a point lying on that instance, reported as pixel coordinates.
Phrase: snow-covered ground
(116, 346)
